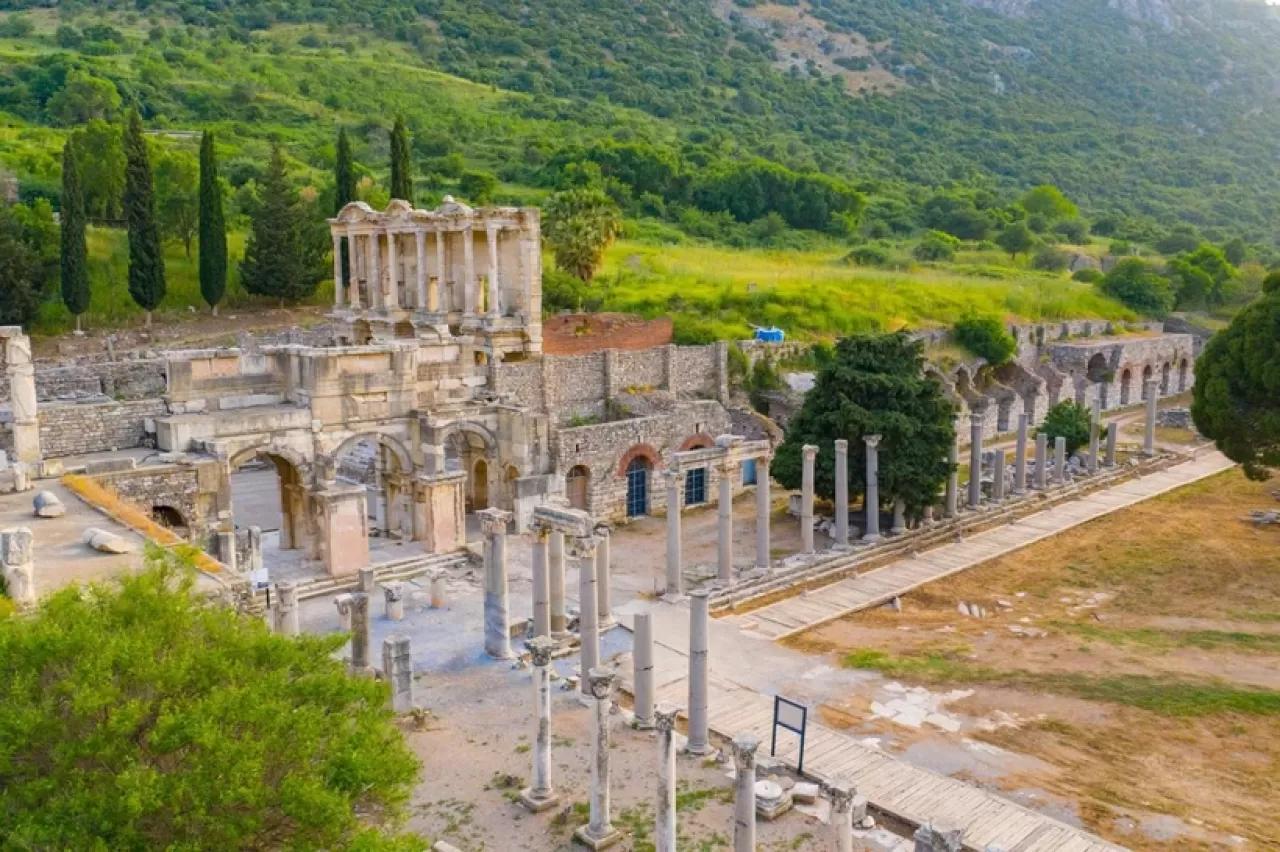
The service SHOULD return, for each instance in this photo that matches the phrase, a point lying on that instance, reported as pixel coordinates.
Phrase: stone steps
(385, 572)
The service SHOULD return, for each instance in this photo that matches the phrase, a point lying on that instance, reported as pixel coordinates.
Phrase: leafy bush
(986, 337)
(1070, 420)
(1088, 275)
(1072, 230)
(936, 245)
(1271, 284)
(869, 255)
(1136, 285)
(1051, 259)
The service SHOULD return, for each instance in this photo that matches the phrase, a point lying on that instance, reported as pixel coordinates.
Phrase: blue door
(695, 486)
(637, 488)
(749, 472)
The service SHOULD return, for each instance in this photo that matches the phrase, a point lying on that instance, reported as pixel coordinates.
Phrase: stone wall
(190, 490)
(68, 429)
(132, 379)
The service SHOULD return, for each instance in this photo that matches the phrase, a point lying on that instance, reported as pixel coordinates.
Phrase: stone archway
(577, 486)
(470, 448)
(1182, 375)
(1146, 380)
(1098, 373)
(291, 478)
(1165, 370)
(1126, 386)
(383, 465)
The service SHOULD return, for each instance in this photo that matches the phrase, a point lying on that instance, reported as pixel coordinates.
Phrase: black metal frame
(778, 700)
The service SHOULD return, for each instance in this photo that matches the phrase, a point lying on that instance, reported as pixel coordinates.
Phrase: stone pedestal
(497, 608)
(555, 584)
(764, 513)
(1020, 458)
(724, 527)
(938, 837)
(599, 833)
(642, 664)
(744, 792)
(953, 483)
(699, 674)
(17, 560)
(344, 528)
(872, 499)
(440, 520)
(675, 575)
(809, 454)
(540, 796)
(439, 595)
(976, 419)
(393, 598)
(1149, 435)
(584, 550)
(842, 493)
(665, 812)
(397, 668)
(541, 585)
(1042, 461)
(286, 609)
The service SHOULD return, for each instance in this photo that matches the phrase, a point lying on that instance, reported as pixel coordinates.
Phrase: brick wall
(68, 429)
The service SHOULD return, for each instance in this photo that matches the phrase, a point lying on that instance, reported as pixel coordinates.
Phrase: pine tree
(75, 254)
(344, 192)
(275, 258)
(401, 164)
(213, 228)
(146, 262)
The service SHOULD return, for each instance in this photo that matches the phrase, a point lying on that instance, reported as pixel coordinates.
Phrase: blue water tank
(769, 335)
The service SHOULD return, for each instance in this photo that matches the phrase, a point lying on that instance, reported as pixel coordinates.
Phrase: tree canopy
(1016, 239)
(401, 162)
(1068, 419)
(279, 256)
(1047, 200)
(74, 251)
(874, 385)
(213, 226)
(139, 716)
(146, 261)
(579, 225)
(1134, 284)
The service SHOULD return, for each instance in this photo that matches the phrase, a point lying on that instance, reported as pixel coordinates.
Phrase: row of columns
(365, 254)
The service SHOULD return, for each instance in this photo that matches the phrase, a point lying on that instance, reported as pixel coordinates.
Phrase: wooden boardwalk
(828, 603)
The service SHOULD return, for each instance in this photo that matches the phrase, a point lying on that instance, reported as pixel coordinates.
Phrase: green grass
(1165, 696)
(1165, 640)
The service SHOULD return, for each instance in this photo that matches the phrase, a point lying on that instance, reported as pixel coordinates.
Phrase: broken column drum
(871, 532)
(540, 796)
(360, 638)
(899, 517)
(642, 658)
(286, 622)
(744, 792)
(393, 596)
(841, 794)
(397, 668)
(699, 675)
(809, 454)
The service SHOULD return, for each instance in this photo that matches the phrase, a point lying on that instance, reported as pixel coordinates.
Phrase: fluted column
(1113, 438)
(540, 796)
(375, 271)
(420, 271)
(842, 492)
(393, 272)
(604, 576)
(841, 794)
(541, 584)
(809, 454)
(441, 274)
(871, 533)
(675, 576)
(724, 516)
(764, 512)
(353, 268)
(1060, 450)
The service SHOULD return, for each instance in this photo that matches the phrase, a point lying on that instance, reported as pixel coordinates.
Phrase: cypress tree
(75, 254)
(344, 192)
(146, 262)
(401, 165)
(275, 259)
(213, 228)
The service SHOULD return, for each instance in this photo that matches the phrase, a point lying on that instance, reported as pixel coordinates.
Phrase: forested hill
(1158, 109)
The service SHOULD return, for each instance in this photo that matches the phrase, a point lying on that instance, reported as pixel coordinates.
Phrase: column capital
(664, 716)
(842, 446)
(393, 591)
(841, 792)
(744, 750)
(583, 546)
(494, 521)
(672, 475)
(872, 441)
(343, 603)
(540, 649)
(810, 452)
(600, 682)
(602, 531)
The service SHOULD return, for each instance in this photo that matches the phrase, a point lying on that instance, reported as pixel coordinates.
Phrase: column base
(610, 837)
(606, 624)
(538, 803)
(897, 530)
(674, 597)
(706, 750)
(869, 538)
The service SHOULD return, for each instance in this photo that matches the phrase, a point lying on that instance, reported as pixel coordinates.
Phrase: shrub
(1271, 284)
(1051, 260)
(986, 337)
(1133, 284)
(869, 256)
(1070, 420)
(1088, 275)
(936, 245)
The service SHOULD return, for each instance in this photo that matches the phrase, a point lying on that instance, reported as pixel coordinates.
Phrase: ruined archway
(577, 485)
(1165, 370)
(384, 467)
(268, 490)
(1126, 386)
(1098, 372)
(1182, 375)
(473, 450)
(1146, 381)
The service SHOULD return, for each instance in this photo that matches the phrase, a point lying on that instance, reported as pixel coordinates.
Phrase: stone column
(360, 638)
(470, 296)
(599, 833)
(1060, 450)
(555, 584)
(809, 454)
(975, 457)
(541, 587)
(494, 302)
(842, 493)
(353, 268)
(22, 393)
(642, 666)
(497, 614)
(367, 580)
(998, 462)
(1042, 460)
(1113, 438)
(1095, 427)
(841, 794)
(255, 549)
(871, 533)
(953, 481)
(764, 513)
(604, 576)
(584, 548)
(393, 594)
(724, 513)
(1020, 458)
(343, 604)
(337, 271)
(665, 813)
(744, 792)
(440, 268)
(699, 675)
(287, 608)
(227, 549)
(899, 517)
(420, 243)
(393, 272)
(539, 796)
(375, 272)
(932, 837)
(397, 668)
(1149, 438)
(675, 572)
(18, 563)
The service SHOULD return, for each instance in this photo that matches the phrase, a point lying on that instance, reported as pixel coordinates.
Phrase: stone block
(99, 466)
(47, 505)
(106, 542)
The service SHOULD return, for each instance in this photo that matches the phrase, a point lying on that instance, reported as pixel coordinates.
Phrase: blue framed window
(638, 487)
(695, 486)
(749, 472)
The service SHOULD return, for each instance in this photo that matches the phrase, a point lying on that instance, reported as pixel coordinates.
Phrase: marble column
(393, 272)
(1113, 438)
(809, 454)
(1149, 436)
(842, 492)
(997, 475)
(539, 795)
(397, 669)
(953, 482)
(470, 296)
(642, 665)
(1020, 458)
(497, 612)
(675, 575)
(360, 638)
(764, 513)
(724, 517)
(841, 794)
(584, 549)
(1095, 429)
(1060, 468)
(899, 517)
(665, 813)
(375, 272)
(420, 271)
(337, 271)
(555, 584)
(976, 419)
(1042, 460)
(744, 792)
(22, 392)
(441, 272)
(541, 586)
(699, 675)
(353, 269)
(494, 301)
(604, 576)
(871, 532)
(599, 833)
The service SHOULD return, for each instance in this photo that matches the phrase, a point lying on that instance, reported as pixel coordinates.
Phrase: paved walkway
(828, 603)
